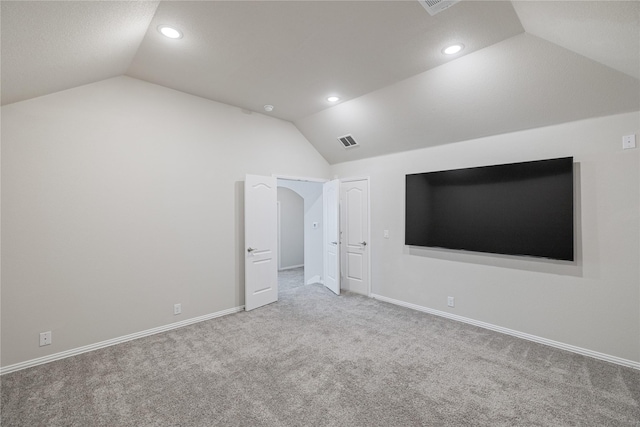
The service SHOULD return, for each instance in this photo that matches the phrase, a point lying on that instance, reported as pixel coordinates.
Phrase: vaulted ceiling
(525, 64)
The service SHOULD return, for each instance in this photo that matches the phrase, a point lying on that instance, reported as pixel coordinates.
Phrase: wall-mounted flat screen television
(513, 209)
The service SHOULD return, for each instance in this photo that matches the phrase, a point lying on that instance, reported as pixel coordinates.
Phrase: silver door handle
(250, 250)
(363, 243)
(334, 243)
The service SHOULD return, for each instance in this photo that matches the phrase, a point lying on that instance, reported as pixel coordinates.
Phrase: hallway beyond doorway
(290, 279)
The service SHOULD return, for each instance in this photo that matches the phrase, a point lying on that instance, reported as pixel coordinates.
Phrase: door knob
(363, 243)
(334, 243)
(250, 250)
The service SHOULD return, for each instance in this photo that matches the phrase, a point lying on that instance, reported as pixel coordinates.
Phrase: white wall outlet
(177, 309)
(45, 338)
(628, 141)
(385, 234)
(450, 301)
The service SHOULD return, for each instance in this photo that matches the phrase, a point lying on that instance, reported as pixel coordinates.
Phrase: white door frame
(315, 276)
(332, 247)
(356, 178)
(368, 232)
(279, 237)
(298, 178)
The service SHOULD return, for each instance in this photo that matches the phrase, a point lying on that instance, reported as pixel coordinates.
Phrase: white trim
(315, 279)
(297, 178)
(278, 224)
(291, 267)
(75, 351)
(356, 178)
(369, 233)
(529, 337)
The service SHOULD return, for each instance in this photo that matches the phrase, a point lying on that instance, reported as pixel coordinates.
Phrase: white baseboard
(534, 338)
(114, 341)
(291, 267)
(314, 279)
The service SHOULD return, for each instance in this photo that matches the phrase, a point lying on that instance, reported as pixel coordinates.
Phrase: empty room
(466, 229)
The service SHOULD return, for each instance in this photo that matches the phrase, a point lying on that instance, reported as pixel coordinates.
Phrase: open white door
(261, 241)
(331, 199)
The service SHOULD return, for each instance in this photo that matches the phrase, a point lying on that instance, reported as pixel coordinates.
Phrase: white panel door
(261, 241)
(331, 206)
(355, 242)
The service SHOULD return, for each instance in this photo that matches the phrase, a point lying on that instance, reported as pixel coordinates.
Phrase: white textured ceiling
(520, 83)
(294, 54)
(48, 46)
(526, 64)
(605, 31)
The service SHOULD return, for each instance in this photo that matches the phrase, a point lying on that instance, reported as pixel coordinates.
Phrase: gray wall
(592, 304)
(121, 198)
(290, 229)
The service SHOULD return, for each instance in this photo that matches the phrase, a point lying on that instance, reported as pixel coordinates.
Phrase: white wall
(290, 229)
(592, 304)
(121, 198)
(311, 192)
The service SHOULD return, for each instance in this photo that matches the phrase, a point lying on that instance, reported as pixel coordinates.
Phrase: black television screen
(513, 209)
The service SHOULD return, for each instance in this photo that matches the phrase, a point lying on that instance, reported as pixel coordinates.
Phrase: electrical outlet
(628, 141)
(177, 309)
(45, 338)
(450, 301)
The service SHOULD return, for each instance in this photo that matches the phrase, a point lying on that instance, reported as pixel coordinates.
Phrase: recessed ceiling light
(333, 99)
(170, 32)
(453, 49)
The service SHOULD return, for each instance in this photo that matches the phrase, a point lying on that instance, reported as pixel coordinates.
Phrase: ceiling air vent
(436, 6)
(347, 141)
